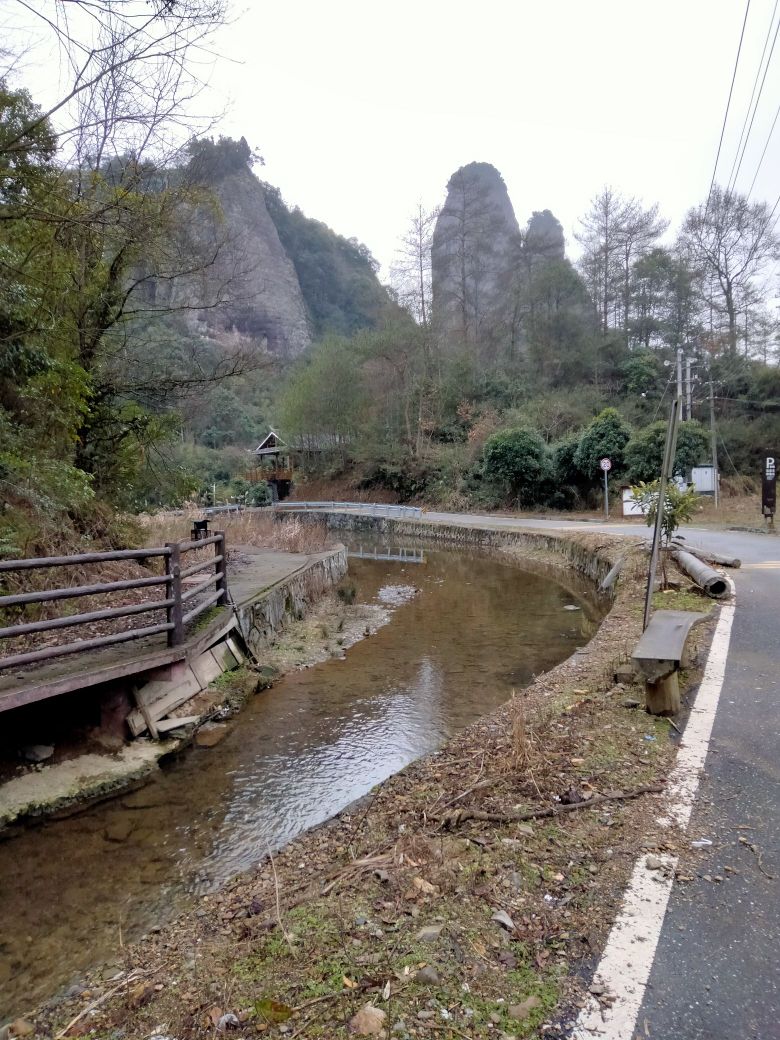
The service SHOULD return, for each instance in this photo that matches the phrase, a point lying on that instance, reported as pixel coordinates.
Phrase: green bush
(605, 437)
(644, 453)
(516, 464)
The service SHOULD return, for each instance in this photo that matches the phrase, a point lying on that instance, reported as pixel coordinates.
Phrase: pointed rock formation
(263, 298)
(474, 256)
(497, 290)
(544, 238)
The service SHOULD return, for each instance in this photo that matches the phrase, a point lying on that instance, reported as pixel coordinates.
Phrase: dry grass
(259, 529)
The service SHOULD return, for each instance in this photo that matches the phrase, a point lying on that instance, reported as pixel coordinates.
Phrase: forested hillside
(516, 370)
(148, 313)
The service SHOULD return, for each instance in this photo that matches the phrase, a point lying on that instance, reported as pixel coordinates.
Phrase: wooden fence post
(220, 549)
(173, 567)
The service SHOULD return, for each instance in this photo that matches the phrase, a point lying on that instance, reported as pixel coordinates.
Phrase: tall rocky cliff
(474, 256)
(273, 277)
(491, 279)
(263, 297)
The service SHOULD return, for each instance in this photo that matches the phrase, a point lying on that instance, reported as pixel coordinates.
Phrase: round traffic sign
(606, 465)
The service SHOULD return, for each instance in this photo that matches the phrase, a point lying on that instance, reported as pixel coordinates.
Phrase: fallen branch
(284, 931)
(757, 853)
(446, 1029)
(459, 816)
(133, 976)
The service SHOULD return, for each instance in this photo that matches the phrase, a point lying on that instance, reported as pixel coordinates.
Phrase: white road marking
(628, 956)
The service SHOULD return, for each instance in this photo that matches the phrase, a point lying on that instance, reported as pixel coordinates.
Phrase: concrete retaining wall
(261, 618)
(591, 561)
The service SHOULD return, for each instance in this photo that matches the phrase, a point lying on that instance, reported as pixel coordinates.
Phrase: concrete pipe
(706, 578)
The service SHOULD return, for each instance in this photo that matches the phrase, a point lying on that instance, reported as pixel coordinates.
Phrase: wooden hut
(271, 462)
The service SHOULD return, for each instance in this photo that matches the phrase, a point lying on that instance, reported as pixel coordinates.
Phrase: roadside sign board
(769, 485)
(606, 465)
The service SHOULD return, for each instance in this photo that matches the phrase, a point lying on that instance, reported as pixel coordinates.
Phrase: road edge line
(629, 953)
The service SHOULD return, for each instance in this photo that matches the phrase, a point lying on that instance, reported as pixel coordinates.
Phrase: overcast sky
(361, 108)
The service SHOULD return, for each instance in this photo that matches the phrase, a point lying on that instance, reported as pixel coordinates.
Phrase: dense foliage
(337, 275)
(586, 368)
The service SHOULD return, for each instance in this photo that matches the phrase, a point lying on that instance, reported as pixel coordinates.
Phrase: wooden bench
(659, 654)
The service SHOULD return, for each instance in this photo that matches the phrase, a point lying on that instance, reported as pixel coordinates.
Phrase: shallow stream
(71, 891)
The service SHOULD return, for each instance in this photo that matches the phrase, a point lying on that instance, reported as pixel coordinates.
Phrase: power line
(723, 445)
(728, 105)
(743, 137)
(663, 395)
(760, 161)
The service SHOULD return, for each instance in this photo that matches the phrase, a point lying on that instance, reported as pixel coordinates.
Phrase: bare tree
(411, 274)
(614, 234)
(602, 253)
(143, 43)
(733, 242)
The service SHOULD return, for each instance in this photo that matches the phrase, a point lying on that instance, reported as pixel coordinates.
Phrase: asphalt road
(715, 974)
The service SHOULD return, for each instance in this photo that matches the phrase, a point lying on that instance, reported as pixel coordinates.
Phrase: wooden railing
(175, 601)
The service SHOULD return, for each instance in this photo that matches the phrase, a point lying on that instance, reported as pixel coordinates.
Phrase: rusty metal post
(174, 612)
(220, 550)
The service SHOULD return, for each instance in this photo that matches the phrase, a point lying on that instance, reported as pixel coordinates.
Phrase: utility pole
(714, 445)
(667, 469)
(680, 397)
(689, 389)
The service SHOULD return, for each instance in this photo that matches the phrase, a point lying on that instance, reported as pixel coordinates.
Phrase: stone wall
(260, 619)
(591, 556)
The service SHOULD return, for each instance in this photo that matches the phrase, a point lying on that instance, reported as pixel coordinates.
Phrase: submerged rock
(37, 752)
(211, 734)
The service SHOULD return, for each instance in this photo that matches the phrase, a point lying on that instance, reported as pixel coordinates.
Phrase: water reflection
(475, 628)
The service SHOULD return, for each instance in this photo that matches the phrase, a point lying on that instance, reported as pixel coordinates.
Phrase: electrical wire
(672, 375)
(766, 145)
(743, 137)
(726, 450)
(728, 106)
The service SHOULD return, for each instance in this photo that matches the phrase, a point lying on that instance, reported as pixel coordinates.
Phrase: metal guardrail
(173, 601)
(372, 508)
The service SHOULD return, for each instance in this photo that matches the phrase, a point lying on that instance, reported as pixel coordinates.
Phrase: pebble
(519, 1012)
(430, 933)
(515, 880)
(428, 976)
(211, 734)
(119, 830)
(653, 863)
(21, 1027)
(369, 1021)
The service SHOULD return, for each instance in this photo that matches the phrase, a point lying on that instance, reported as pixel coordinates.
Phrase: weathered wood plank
(665, 636)
(166, 725)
